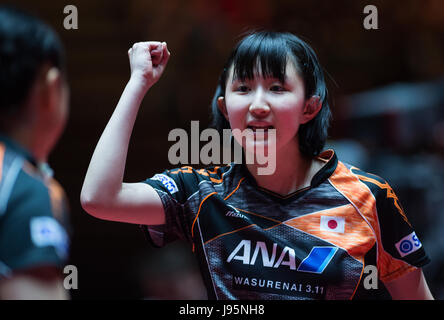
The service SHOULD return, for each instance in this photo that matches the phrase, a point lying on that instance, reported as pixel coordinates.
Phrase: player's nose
(259, 107)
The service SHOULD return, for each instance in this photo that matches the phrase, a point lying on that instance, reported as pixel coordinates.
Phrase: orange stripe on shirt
(238, 185)
(197, 215)
(2, 154)
(390, 194)
(57, 195)
(203, 172)
(360, 195)
(357, 238)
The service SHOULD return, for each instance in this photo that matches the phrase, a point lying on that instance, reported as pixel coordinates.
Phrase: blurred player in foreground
(33, 112)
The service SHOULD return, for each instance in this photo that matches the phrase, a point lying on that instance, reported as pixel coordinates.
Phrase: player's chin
(260, 147)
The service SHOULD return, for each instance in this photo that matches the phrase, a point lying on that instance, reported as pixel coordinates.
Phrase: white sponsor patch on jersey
(408, 244)
(332, 224)
(46, 231)
(167, 182)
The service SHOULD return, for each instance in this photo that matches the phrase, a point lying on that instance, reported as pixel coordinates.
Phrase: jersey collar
(17, 148)
(328, 156)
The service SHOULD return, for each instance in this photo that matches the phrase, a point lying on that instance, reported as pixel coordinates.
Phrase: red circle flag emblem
(332, 224)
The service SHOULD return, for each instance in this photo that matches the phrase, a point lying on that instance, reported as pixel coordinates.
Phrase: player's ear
(47, 90)
(311, 108)
(53, 87)
(222, 107)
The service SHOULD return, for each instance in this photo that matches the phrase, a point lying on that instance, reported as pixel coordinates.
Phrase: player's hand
(148, 61)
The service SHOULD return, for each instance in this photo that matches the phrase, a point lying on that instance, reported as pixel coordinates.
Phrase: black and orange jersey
(313, 244)
(33, 214)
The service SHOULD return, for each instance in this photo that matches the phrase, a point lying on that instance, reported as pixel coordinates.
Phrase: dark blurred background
(387, 88)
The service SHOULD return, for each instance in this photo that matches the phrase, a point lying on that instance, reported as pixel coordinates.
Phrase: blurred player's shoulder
(22, 183)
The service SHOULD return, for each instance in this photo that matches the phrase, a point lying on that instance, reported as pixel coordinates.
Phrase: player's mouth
(260, 127)
(265, 129)
(261, 131)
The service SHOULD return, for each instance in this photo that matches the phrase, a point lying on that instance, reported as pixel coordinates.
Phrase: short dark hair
(26, 43)
(272, 50)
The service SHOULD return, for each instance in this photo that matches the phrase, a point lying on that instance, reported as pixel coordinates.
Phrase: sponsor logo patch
(248, 252)
(46, 231)
(318, 259)
(408, 244)
(167, 182)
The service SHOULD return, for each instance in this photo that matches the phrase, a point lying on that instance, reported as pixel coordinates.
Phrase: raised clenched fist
(148, 61)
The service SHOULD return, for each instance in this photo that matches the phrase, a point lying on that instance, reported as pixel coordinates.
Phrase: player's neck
(30, 141)
(293, 172)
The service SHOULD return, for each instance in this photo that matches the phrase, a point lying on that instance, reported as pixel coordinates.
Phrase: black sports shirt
(33, 214)
(312, 244)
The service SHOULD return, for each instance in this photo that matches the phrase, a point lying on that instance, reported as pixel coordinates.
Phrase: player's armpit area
(40, 283)
(411, 286)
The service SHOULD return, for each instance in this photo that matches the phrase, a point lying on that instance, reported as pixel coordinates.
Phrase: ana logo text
(316, 261)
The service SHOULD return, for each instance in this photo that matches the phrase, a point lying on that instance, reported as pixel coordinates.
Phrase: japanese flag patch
(332, 224)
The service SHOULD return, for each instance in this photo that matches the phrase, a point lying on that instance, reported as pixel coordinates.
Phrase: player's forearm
(24, 287)
(105, 173)
(412, 286)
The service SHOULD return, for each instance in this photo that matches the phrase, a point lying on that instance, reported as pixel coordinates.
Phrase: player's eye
(242, 88)
(277, 88)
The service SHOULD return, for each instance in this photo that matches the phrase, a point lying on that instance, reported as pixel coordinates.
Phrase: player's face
(267, 103)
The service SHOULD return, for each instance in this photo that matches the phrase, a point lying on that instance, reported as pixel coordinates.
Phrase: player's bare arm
(37, 283)
(412, 286)
(104, 194)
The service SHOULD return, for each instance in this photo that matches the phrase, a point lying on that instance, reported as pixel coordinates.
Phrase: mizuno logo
(235, 214)
(316, 261)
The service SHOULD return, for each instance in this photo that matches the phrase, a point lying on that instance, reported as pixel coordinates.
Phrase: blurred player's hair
(26, 44)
